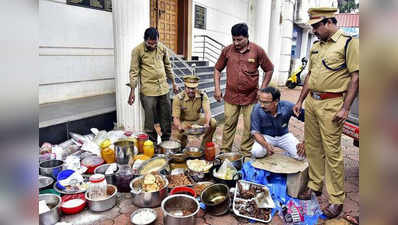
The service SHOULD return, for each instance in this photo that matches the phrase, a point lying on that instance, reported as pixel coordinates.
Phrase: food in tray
(198, 165)
(178, 180)
(249, 209)
(152, 165)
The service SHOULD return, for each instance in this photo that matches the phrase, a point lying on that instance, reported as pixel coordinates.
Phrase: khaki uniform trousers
(323, 147)
(207, 137)
(231, 113)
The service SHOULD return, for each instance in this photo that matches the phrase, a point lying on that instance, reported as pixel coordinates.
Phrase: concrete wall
(76, 51)
(221, 16)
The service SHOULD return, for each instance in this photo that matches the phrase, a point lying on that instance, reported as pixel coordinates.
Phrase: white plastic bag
(226, 171)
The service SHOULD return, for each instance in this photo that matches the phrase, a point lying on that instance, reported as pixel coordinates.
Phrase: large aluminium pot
(51, 168)
(148, 199)
(179, 209)
(104, 204)
(51, 217)
(216, 198)
(236, 158)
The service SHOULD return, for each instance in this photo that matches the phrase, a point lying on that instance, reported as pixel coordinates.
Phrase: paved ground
(120, 213)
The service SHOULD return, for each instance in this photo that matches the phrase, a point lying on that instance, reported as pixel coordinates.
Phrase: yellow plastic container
(107, 153)
(149, 149)
(141, 156)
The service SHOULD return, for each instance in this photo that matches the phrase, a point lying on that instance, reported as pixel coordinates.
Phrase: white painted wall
(76, 52)
(221, 16)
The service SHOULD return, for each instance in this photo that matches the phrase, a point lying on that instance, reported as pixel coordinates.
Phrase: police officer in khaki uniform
(186, 111)
(332, 84)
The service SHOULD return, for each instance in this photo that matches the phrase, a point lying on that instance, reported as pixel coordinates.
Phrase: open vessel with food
(149, 190)
(253, 201)
(199, 170)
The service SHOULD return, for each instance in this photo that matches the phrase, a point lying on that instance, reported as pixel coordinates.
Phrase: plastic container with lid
(107, 153)
(141, 138)
(210, 151)
(97, 187)
(149, 149)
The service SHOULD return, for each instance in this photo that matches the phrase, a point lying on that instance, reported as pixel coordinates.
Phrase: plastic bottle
(149, 149)
(106, 152)
(210, 151)
(140, 142)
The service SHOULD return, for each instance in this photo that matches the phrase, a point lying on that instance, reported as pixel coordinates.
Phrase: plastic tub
(183, 190)
(73, 210)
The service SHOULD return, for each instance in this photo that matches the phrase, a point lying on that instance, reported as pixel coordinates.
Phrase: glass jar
(107, 153)
(210, 151)
(141, 138)
(149, 149)
(97, 187)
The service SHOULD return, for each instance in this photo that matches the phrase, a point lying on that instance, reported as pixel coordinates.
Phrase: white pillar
(286, 46)
(304, 43)
(274, 39)
(130, 19)
(260, 20)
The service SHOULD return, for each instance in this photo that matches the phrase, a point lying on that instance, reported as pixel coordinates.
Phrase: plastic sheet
(278, 189)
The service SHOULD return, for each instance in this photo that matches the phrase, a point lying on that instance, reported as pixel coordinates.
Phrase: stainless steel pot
(236, 158)
(216, 198)
(105, 204)
(124, 150)
(51, 217)
(51, 168)
(170, 147)
(173, 207)
(110, 178)
(193, 152)
(45, 182)
(148, 199)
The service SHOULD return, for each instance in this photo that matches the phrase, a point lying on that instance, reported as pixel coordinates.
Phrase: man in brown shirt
(242, 59)
(150, 66)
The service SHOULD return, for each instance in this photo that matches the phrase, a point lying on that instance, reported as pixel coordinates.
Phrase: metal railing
(207, 48)
(176, 67)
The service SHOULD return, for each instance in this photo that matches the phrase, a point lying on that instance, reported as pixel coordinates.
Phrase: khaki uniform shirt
(332, 52)
(187, 109)
(153, 68)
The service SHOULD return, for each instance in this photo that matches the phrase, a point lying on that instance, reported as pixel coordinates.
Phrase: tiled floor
(120, 213)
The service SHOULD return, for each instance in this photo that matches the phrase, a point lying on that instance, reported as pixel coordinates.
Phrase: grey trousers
(157, 108)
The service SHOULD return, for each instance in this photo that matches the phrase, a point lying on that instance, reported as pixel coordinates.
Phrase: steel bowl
(51, 217)
(110, 178)
(178, 157)
(173, 207)
(105, 204)
(147, 199)
(45, 182)
(51, 168)
(236, 158)
(193, 152)
(140, 210)
(170, 147)
(216, 198)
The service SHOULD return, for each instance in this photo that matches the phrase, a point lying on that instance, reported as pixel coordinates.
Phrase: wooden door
(164, 14)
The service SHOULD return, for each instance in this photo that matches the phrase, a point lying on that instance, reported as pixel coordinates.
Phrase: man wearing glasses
(150, 65)
(269, 125)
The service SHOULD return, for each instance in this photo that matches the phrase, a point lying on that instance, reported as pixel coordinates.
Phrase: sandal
(333, 210)
(352, 219)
